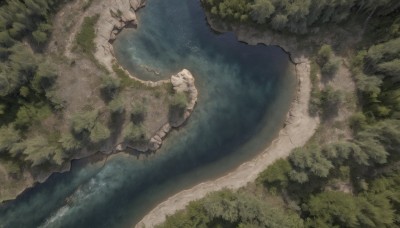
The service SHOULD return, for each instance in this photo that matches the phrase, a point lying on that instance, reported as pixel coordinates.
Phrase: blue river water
(244, 94)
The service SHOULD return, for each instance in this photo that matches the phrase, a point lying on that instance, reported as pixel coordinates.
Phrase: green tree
(44, 77)
(40, 36)
(279, 22)
(331, 100)
(229, 209)
(325, 53)
(110, 87)
(276, 175)
(391, 70)
(138, 113)
(70, 143)
(133, 133)
(261, 10)
(338, 209)
(310, 161)
(384, 52)
(39, 151)
(116, 105)
(330, 68)
(179, 101)
(8, 137)
(5, 39)
(99, 133)
(84, 121)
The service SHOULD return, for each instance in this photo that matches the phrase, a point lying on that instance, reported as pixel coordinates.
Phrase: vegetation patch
(126, 80)
(85, 38)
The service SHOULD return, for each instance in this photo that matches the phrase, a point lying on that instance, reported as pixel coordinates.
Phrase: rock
(184, 82)
(166, 128)
(120, 147)
(113, 36)
(157, 138)
(136, 4)
(155, 143)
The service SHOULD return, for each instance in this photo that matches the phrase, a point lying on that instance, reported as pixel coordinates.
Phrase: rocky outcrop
(181, 82)
(116, 15)
(137, 4)
(157, 140)
(184, 82)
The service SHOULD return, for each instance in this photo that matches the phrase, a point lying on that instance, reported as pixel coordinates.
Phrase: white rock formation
(117, 15)
(184, 82)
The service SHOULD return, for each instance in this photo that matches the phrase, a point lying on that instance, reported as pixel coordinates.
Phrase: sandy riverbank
(299, 128)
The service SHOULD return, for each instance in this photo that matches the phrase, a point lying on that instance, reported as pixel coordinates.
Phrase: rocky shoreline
(114, 16)
(183, 82)
(299, 128)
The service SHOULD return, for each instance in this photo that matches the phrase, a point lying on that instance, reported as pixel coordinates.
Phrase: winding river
(245, 93)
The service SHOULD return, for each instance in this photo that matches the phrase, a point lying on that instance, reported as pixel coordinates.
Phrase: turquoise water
(245, 93)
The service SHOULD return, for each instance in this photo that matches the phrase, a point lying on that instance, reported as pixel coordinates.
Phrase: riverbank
(299, 128)
(116, 15)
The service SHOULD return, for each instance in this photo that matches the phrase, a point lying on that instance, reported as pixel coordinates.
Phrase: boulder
(136, 4)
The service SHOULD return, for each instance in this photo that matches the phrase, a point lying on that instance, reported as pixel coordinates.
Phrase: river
(244, 94)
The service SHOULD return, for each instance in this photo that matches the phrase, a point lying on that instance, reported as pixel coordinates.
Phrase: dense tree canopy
(228, 209)
(298, 16)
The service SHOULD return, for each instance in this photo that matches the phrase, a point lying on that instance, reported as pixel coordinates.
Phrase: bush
(8, 137)
(109, 87)
(179, 101)
(30, 113)
(325, 53)
(116, 106)
(99, 133)
(331, 100)
(276, 175)
(69, 143)
(44, 78)
(84, 121)
(315, 103)
(177, 106)
(133, 134)
(38, 151)
(358, 121)
(230, 209)
(138, 113)
(330, 68)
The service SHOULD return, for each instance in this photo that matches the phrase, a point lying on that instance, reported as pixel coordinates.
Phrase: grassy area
(315, 100)
(85, 38)
(127, 81)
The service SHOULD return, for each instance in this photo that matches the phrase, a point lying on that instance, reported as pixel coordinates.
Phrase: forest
(27, 93)
(347, 183)
(299, 16)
